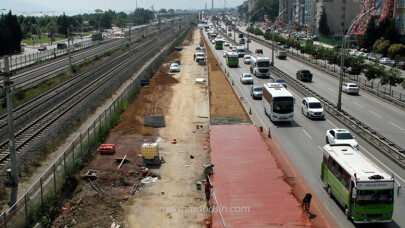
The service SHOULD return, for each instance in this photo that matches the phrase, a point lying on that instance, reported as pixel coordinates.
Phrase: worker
(208, 171)
(208, 187)
(306, 202)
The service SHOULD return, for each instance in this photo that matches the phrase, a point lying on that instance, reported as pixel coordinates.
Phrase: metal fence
(54, 178)
(17, 62)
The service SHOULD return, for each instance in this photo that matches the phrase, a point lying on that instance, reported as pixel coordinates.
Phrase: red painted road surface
(248, 186)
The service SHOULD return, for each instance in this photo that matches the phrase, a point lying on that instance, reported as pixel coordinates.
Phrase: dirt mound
(81, 212)
(150, 102)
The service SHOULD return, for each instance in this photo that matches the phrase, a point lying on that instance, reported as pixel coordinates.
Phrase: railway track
(64, 99)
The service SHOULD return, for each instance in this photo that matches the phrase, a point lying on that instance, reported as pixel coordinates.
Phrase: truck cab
(260, 66)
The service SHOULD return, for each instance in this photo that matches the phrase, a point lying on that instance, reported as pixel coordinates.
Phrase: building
(399, 16)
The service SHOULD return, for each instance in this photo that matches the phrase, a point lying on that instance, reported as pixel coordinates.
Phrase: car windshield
(354, 86)
(315, 105)
(258, 89)
(279, 80)
(247, 76)
(175, 65)
(263, 64)
(247, 57)
(345, 135)
(305, 71)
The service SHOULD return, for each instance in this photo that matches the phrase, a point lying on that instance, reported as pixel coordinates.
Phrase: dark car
(42, 48)
(178, 48)
(304, 75)
(401, 65)
(259, 51)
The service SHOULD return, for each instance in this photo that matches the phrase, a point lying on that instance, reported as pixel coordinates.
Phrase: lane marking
(344, 97)
(375, 114)
(310, 137)
(320, 148)
(321, 84)
(331, 89)
(331, 123)
(396, 125)
(361, 106)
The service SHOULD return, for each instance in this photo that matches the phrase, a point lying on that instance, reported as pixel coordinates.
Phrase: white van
(312, 108)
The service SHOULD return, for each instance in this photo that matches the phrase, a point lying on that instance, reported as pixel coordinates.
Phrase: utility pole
(11, 140)
(69, 56)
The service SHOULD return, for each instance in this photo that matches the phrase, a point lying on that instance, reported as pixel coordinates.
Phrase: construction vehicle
(150, 154)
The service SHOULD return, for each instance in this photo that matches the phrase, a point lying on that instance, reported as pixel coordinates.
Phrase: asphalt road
(303, 139)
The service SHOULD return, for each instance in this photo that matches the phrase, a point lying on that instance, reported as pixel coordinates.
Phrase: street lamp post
(272, 51)
(339, 103)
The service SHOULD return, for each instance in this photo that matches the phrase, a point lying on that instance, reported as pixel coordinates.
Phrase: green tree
(370, 36)
(382, 45)
(373, 71)
(243, 9)
(265, 7)
(162, 11)
(10, 34)
(323, 25)
(392, 77)
(171, 11)
(396, 49)
(63, 23)
(357, 64)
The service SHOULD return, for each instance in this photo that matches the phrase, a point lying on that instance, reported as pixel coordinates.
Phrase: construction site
(149, 170)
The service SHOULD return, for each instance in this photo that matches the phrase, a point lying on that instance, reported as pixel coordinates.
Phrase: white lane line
(310, 137)
(396, 125)
(321, 84)
(375, 114)
(361, 106)
(331, 89)
(344, 97)
(331, 123)
(396, 175)
(386, 105)
(320, 148)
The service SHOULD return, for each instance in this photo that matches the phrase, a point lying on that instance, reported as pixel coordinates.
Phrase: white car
(350, 88)
(341, 137)
(213, 41)
(247, 59)
(224, 54)
(226, 44)
(246, 78)
(174, 67)
(384, 60)
(312, 108)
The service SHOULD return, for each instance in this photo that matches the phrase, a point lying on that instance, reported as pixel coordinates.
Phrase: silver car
(350, 88)
(246, 78)
(256, 92)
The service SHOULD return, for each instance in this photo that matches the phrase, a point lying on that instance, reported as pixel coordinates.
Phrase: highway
(303, 139)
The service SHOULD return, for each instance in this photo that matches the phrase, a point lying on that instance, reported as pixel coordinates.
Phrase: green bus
(232, 59)
(364, 190)
(219, 44)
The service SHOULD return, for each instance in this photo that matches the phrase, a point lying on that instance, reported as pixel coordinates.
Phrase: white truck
(241, 51)
(281, 54)
(260, 66)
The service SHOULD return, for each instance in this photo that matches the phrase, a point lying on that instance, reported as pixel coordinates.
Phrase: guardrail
(381, 143)
(375, 92)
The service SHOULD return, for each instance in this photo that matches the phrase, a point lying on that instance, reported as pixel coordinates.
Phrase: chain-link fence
(48, 186)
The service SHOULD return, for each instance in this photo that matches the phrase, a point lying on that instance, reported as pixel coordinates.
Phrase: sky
(71, 7)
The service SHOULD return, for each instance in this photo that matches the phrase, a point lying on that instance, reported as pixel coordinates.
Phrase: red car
(259, 51)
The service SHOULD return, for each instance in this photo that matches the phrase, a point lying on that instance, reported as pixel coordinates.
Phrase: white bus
(278, 102)
(364, 190)
(260, 66)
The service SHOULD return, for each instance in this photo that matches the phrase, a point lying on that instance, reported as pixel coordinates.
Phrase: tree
(10, 34)
(396, 49)
(370, 36)
(389, 31)
(382, 45)
(323, 24)
(392, 77)
(373, 71)
(264, 7)
(162, 11)
(63, 23)
(357, 65)
(171, 11)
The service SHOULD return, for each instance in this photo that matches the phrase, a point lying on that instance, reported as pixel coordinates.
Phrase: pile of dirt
(224, 103)
(93, 210)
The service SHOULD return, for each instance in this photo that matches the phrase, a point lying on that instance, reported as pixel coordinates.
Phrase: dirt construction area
(170, 198)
